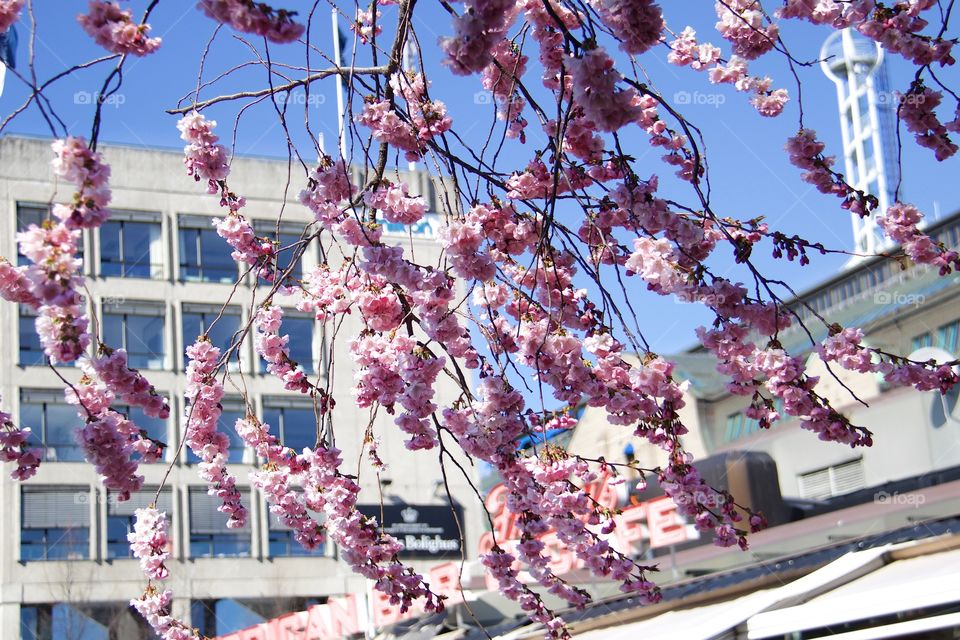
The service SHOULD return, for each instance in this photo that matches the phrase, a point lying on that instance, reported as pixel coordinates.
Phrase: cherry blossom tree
(536, 255)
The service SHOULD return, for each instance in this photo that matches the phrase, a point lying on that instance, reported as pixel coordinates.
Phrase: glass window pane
(143, 340)
(189, 259)
(217, 265)
(301, 341)
(137, 242)
(299, 428)
(226, 426)
(31, 353)
(62, 423)
(111, 261)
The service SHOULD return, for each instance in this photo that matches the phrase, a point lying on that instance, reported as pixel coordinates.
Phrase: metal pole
(341, 129)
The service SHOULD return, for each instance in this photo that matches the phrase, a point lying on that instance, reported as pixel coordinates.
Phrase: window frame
(122, 218)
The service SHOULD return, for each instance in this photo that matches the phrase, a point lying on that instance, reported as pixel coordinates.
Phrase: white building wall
(151, 180)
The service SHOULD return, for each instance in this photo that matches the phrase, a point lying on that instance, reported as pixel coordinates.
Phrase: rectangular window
(31, 352)
(947, 336)
(292, 420)
(122, 515)
(28, 214)
(283, 544)
(286, 243)
(131, 245)
(139, 328)
(204, 256)
(832, 481)
(233, 410)
(155, 428)
(209, 535)
(300, 329)
(52, 422)
(219, 324)
(922, 340)
(54, 523)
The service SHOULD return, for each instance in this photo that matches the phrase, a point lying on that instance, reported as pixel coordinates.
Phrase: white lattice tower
(867, 124)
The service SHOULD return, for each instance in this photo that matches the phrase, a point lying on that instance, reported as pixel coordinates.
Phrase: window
(28, 214)
(121, 517)
(922, 340)
(52, 422)
(54, 523)
(137, 327)
(233, 410)
(300, 329)
(281, 540)
(31, 352)
(286, 243)
(156, 428)
(292, 420)
(86, 621)
(209, 535)
(201, 319)
(204, 256)
(131, 245)
(738, 425)
(947, 336)
(832, 481)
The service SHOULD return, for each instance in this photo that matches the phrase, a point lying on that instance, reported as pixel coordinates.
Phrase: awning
(903, 585)
(717, 620)
(696, 623)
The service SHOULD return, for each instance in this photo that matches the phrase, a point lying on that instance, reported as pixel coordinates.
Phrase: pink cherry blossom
(149, 542)
(13, 448)
(204, 393)
(259, 18)
(9, 13)
(115, 30)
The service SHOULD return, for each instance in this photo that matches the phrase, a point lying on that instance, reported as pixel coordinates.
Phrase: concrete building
(157, 276)
(911, 311)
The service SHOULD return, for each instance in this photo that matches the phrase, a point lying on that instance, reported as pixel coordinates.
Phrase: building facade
(158, 276)
(908, 310)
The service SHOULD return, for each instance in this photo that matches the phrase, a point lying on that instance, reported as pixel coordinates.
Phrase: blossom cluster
(806, 152)
(206, 159)
(363, 545)
(203, 394)
(9, 13)
(917, 110)
(75, 162)
(128, 384)
(272, 347)
(480, 26)
(281, 466)
(154, 605)
(150, 543)
(111, 442)
(276, 25)
(14, 448)
(329, 186)
(424, 119)
(901, 222)
(115, 30)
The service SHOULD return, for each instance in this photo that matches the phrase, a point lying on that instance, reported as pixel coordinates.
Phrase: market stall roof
(904, 585)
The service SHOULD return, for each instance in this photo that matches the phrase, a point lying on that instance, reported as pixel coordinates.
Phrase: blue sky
(749, 171)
